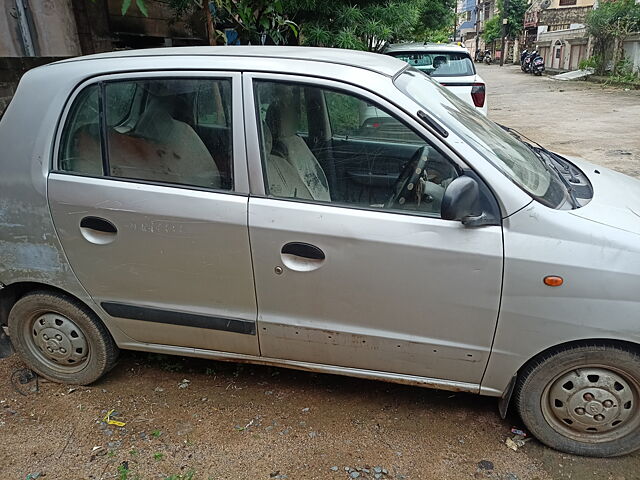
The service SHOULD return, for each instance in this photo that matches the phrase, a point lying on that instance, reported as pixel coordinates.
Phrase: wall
(632, 51)
(562, 16)
(579, 3)
(570, 45)
(134, 30)
(12, 69)
(52, 26)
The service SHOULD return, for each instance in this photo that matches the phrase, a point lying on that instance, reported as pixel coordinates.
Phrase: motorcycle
(523, 55)
(483, 56)
(537, 65)
(527, 61)
(487, 57)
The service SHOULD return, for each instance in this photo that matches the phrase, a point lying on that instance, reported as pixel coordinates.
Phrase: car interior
(158, 130)
(345, 150)
(318, 144)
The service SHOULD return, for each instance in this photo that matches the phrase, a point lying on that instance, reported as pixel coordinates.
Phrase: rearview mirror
(461, 201)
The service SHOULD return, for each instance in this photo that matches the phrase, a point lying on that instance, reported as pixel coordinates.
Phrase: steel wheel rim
(593, 404)
(57, 342)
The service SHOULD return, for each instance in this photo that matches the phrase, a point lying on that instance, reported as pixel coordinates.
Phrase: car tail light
(478, 94)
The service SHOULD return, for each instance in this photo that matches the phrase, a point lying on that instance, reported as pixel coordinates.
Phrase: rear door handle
(305, 250)
(98, 224)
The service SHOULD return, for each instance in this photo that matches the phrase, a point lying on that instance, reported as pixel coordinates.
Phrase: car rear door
(152, 215)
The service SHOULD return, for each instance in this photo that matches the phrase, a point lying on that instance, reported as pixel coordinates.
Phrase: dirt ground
(230, 421)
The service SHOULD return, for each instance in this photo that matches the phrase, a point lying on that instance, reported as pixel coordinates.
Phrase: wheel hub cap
(59, 339)
(596, 402)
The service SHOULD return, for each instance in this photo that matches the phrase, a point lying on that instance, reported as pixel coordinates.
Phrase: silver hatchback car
(231, 203)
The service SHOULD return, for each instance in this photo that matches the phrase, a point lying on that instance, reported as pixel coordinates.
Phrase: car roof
(425, 47)
(383, 64)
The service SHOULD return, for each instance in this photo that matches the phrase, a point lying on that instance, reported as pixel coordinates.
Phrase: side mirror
(461, 201)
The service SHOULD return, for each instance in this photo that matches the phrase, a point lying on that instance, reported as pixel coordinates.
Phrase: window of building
(568, 3)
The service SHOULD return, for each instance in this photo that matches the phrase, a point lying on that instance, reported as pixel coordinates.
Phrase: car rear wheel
(60, 339)
(583, 400)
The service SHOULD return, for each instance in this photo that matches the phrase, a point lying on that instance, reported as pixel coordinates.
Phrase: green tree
(253, 19)
(436, 21)
(366, 24)
(610, 24)
(515, 16)
(492, 29)
(355, 24)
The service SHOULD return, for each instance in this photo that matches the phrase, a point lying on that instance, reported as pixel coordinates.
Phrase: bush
(594, 62)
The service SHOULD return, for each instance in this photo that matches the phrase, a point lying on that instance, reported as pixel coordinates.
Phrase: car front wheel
(583, 400)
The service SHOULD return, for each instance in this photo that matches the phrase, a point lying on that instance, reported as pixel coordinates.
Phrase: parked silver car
(228, 203)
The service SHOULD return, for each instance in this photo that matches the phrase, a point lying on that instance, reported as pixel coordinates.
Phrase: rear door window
(163, 130)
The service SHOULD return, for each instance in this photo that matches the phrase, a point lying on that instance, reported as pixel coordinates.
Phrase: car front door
(149, 197)
(350, 280)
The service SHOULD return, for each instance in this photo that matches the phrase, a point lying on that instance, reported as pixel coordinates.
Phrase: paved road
(239, 422)
(602, 125)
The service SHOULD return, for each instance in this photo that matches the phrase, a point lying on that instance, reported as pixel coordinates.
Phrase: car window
(119, 102)
(369, 159)
(151, 132)
(439, 64)
(210, 107)
(512, 157)
(80, 146)
(354, 118)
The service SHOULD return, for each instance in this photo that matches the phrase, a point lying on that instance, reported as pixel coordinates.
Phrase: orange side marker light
(553, 280)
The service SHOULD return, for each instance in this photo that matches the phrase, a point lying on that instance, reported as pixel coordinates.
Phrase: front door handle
(98, 224)
(301, 249)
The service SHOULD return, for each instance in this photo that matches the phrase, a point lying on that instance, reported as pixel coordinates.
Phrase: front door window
(324, 145)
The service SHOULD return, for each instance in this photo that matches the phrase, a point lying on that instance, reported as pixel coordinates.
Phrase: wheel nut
(607, 403)
(58, 337)
(580, 411)
(46, 337)
(599, 417)
(50, 350)
(588, 397)
(62, 350)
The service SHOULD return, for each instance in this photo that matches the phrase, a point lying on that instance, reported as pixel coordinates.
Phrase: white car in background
(449, 64)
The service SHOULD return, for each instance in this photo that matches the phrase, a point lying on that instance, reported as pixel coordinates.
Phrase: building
(466, 20)
(557, 29)
(62, 28)
(35, 32)
(472, 15)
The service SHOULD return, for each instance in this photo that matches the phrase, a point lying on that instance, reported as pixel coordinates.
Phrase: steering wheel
(408, 184)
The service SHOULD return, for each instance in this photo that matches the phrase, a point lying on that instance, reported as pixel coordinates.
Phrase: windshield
(512, 157)
(439, 64)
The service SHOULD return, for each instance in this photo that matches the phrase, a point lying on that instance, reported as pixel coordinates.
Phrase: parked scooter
(527, 62)
(483, 56)
(537, 65)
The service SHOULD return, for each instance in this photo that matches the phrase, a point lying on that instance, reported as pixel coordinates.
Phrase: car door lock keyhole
(278, 270)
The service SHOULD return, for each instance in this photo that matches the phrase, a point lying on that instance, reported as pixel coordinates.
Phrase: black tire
(561, 395)
(85, 351)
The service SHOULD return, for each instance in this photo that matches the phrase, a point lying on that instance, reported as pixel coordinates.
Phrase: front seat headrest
(282, 119)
